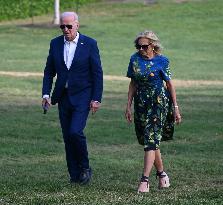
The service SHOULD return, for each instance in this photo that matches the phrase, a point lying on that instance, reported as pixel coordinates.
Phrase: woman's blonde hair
(154, 40)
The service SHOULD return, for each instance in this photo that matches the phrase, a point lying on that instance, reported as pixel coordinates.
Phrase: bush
(15, 9)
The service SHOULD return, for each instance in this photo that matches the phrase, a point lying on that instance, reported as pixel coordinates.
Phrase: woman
(153, 101)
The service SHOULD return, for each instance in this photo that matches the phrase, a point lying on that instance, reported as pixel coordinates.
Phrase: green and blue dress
(153, 109)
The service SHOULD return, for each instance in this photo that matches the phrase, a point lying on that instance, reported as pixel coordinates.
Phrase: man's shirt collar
(75, 40)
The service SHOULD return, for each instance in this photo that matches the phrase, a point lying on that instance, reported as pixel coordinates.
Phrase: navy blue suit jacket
(84, 74)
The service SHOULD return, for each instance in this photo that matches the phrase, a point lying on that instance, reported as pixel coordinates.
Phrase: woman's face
(144, 47)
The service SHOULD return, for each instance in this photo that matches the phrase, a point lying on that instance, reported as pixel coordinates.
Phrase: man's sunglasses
(144, 47)
(68, 26)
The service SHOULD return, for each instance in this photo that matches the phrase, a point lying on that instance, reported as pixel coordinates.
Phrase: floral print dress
(153, 110)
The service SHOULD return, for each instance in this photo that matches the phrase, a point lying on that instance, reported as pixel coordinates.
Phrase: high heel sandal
(164, 180)
(144, 185)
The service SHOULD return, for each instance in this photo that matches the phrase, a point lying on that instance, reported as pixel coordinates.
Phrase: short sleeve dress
(153, 110)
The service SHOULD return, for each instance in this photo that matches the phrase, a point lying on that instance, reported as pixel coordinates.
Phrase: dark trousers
(73, 115)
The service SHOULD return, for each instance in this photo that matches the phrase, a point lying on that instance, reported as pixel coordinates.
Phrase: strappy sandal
(164, 180)
(144, 185)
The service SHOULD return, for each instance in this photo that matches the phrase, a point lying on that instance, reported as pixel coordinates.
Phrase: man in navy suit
(74, 58)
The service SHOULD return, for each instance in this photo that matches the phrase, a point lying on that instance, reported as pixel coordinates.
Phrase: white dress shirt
(69, 50)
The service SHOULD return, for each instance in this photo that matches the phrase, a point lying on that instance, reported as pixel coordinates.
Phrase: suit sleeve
(97, 73)
(49, 73)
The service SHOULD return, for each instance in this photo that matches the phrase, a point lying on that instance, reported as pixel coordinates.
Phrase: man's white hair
(69, 13)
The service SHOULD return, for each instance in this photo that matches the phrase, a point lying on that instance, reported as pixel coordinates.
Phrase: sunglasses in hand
(67, 26)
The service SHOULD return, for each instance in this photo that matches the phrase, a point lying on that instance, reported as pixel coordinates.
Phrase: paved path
(177, 82)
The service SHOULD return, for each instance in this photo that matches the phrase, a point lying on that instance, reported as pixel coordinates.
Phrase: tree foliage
(15, 9)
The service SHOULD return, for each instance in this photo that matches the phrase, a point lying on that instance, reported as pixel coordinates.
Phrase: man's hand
(94, 106)
(46, 104)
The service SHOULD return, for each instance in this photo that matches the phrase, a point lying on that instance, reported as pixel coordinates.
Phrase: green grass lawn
(33, 169)
(191, 34)
(32, 159)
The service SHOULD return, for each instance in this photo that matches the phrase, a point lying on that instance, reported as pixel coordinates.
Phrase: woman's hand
(170, 87)
(177, 115)
(128, 114)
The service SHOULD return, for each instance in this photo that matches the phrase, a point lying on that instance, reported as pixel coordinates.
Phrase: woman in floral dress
(155, 104)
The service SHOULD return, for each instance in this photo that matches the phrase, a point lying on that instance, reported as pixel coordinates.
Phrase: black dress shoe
(74, 181)
(85, 176)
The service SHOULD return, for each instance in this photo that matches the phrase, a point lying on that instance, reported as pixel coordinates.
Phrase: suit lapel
(61, 51)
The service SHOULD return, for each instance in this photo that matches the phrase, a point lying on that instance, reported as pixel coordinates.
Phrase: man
(75, 59)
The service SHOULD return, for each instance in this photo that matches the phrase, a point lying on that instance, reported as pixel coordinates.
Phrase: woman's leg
(149, 158)
(158, 161)
(163, 178)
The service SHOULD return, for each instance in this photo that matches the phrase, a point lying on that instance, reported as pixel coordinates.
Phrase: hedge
(16, 9)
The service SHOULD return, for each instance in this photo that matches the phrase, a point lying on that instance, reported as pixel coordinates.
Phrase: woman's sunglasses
(68, 26)
(144, 47)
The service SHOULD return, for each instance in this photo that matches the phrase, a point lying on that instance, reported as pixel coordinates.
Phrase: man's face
(69, 27)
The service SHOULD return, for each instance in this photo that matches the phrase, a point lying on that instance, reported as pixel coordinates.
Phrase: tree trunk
(56, 19)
